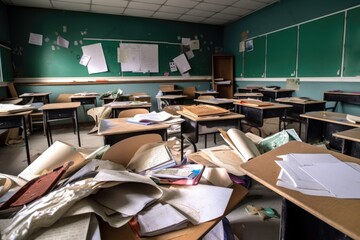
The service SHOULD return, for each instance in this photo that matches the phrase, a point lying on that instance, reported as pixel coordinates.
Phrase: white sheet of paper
(173, 67)
(130, 57)
(62, 42)
(190, 54)
(85, 60)
(185, 41)
(182, 63)
(97, 63)
(194, 44)
(36, 39)
(199, 203)
(149, 58)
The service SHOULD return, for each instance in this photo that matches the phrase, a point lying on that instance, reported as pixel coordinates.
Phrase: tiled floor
(247, 227)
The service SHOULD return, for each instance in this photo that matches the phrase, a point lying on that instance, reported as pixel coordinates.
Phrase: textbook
(150, 157)
(238, 141)
(204, 110)
(188, 174)
(150, 118)
(254, 103)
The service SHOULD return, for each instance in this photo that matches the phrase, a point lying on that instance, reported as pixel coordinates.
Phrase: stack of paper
(150, 118)
(320, 175)
(204, 110)
(12, 108)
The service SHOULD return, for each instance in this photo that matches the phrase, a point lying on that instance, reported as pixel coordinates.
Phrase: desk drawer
(213, 126)
(84, 101)
(10, 122)
(59, 114)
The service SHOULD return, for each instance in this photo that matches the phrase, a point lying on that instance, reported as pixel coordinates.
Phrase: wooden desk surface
(231, 115)
(332, 117)
(15, 114)
(115, 126)
(272, 106)
(127, 104)
(54, 106)
(295, 100)
(342, 214)
(279, 90)
(172, 96)
(251, 94)
(172, 91)
(206, 92)
(215, 101)
(352, 135)
(343, 93)
(35, 94)
(191, 232)
(83, 96)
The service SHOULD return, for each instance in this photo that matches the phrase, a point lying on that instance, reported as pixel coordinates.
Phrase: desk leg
(47, 128)
(77, 126)
(26, 140)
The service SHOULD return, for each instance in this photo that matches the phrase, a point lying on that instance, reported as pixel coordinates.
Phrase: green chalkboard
(254, 65)
(320, 47)
(281, 53)
(50, 60)
(352, 44)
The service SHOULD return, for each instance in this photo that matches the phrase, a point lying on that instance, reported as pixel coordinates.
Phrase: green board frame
(320, 47)
(281, 53)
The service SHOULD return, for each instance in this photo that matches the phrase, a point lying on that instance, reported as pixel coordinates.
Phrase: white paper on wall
(182, 63)
(97, 63)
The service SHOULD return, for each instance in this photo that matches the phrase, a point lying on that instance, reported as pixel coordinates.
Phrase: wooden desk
(255, 115)
(173, 99)
(219, 102)
(117, 107)
(350, 141)
(172, 92)
(315, 211)
(301, 107)
(191, 232)
(120, 98)
(193, 127)
(321, 125)
(15, 120)
(37, 97)
(242, 95)
(55, 111)
(205, 93)
(273, 94)
(85, 99)
(248, 89)
(343, 97)
(117, 129)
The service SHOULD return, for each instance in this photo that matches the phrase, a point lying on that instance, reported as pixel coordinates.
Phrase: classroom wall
(5, 52)
(280, 15)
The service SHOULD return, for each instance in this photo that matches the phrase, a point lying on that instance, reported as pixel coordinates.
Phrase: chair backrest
(132, 112)
(189, 92)
(63, 97)
(206, 97)
(123, 151)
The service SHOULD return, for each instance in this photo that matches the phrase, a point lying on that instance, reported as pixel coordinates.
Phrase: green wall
(280, 15)
(33, 61)
(5, 54)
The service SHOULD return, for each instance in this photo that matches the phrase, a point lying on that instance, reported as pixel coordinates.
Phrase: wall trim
(303, 79)
(107, 80)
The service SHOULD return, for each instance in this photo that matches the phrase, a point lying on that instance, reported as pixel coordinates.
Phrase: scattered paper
(182, 63)
(36, 39)
(190, 54)
(173, 67)
(185, 41)
(84, 60)
(97, 63)
(62, 42)
(242, 46)
(194, 44)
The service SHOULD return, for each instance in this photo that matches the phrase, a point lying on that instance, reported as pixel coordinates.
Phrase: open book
(150, 118)
(12, 108)
(204, 110)
(254, 103)
(238, 141)
(150, 157)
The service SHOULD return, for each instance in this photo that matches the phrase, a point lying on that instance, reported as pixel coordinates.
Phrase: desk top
(352, 135)
(332, 117)
(115, 126)
(15, 114)
(296, 100)
(127, 104)
(206, 92)
(271, 105)
(229, 116)
(278, 90)
(172, 91)
(171, 96)
(215, 101)
(342, 214)
(55, 106)
(250, 94)
(191, 232)
(343, 93)
(35, 94)
(83, 96)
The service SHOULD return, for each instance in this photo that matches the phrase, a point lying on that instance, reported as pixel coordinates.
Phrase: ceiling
(216, 12)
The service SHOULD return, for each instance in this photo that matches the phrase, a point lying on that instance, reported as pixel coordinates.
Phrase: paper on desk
(200, 203)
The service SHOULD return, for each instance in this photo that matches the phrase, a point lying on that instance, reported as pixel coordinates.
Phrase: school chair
(190, 93)
(98, 113)
(132, 112)
(140, 96)
(123, 151)
(205, 97)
